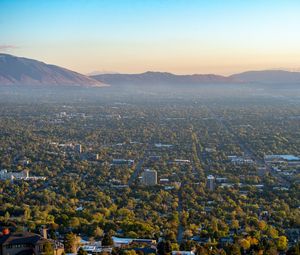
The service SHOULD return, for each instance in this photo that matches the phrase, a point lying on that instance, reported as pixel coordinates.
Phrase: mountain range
(268, 77)
(149, 78)
(23, 71)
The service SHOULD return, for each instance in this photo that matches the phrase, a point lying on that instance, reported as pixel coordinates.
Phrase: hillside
(149, 78)
(260, 77)
(268, 77)
(23, 71)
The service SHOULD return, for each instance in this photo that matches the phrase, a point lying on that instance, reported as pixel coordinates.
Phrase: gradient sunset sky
(179, 36)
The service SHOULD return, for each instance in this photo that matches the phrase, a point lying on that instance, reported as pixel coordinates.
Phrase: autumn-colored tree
(282, 243)
(244, 243)
(272, 232)
(235, 224)
(262, 225)
(70, 243)
(98, 232)
(48, 248)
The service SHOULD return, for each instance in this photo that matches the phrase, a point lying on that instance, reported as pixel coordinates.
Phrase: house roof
(21, 238)
(145, 250)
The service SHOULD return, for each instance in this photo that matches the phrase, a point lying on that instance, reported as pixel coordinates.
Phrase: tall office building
(210, 183)
(78, 148)
(149, 177)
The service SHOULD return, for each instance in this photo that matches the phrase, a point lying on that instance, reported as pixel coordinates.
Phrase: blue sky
(183, 36)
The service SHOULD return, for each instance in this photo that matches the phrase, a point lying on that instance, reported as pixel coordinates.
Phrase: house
(221, 179)
(201, 240)
(5, 175)
(240, 160)
(121, 161)
(22, 175)
(226, 240)
(144, 241)
(144, 250)
(88, 248)
(183, 253)
(89, 156)
(164, 180)
(281, 157)
(26, 243)
(181, 161)
(121, 242)
(94, 248)
(161, 145)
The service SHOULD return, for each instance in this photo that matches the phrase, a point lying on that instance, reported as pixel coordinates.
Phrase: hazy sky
(184, 36)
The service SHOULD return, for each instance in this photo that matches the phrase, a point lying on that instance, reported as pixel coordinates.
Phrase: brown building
(26, 243)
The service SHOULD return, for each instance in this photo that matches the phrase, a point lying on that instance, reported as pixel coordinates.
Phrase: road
(179, 210)
(136, 172)
(138, 167)
(248, 151)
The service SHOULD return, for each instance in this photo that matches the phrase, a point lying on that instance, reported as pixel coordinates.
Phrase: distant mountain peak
(152, 77)
(268, 76)
(24, 71)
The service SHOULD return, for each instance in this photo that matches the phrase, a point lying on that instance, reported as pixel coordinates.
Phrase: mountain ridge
(268, 76)
(150, 77)
(22, 71)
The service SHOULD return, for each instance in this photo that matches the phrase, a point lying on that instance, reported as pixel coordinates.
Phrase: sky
(133, 36)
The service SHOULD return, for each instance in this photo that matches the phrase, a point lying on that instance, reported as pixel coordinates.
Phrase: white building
(210, 182)
(23, 175)
(5, 175)
(183, 253)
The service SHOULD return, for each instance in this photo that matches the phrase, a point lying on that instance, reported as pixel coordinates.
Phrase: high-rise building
(210, 183)
(149, 177)
(78, 148)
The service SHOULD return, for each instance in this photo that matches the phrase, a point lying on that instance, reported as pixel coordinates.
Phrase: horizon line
(292, 70)
(174, 73)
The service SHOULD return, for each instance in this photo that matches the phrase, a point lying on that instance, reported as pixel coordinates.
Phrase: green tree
(6, 217)
(70, 243)
(107, 240)
(48, 249)
(164, 248)
(98, 232)
(81, 252)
